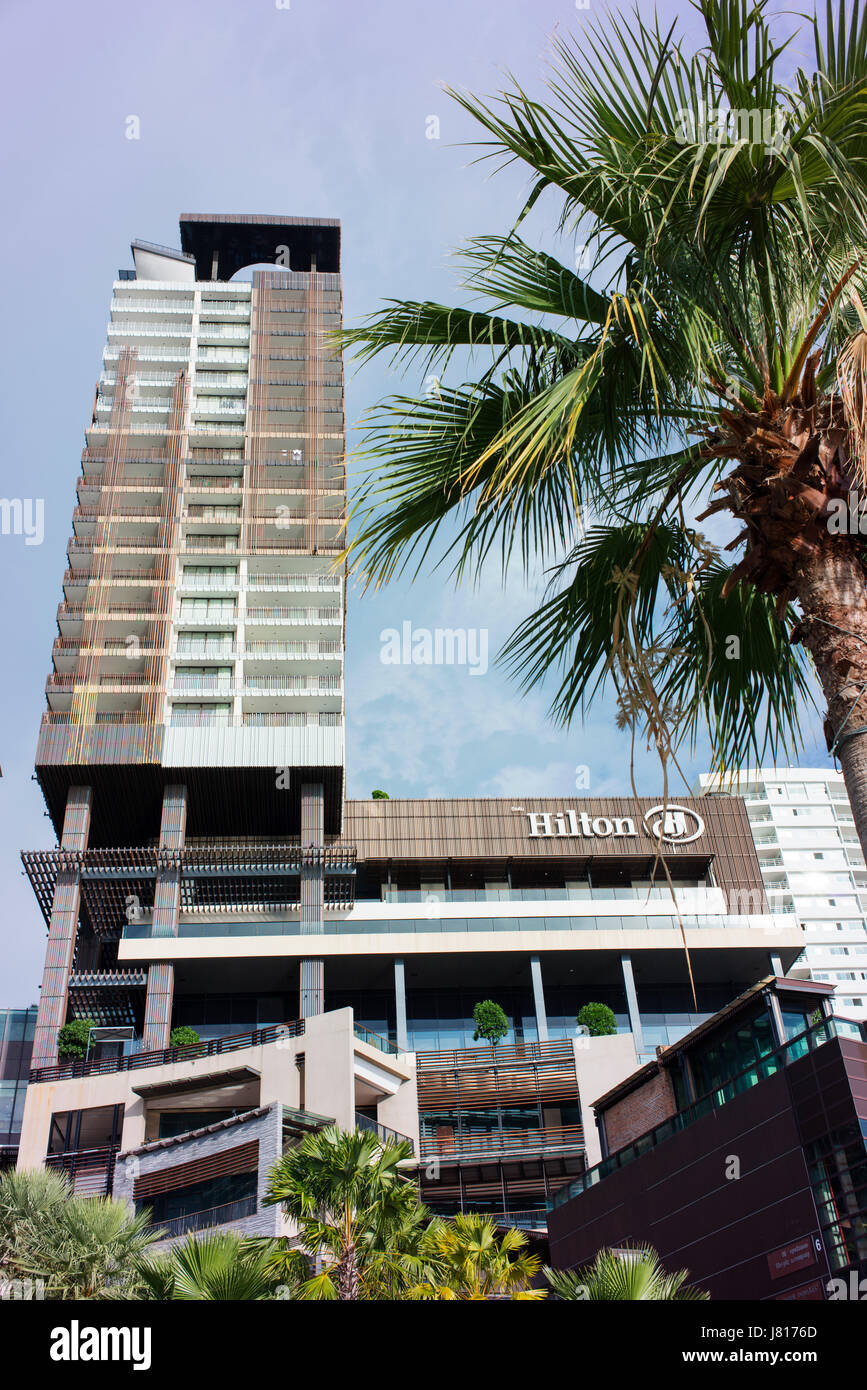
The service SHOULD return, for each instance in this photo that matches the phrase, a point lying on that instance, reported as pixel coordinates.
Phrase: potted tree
(597, 1020)
(490, 1022)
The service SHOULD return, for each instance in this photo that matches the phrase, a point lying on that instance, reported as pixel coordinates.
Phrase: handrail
(212, 1047)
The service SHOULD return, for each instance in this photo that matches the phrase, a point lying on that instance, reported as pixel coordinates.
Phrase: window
(189, 715)
(205, 643)
(207, 609)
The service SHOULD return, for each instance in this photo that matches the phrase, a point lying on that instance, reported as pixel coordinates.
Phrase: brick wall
(638, 1112)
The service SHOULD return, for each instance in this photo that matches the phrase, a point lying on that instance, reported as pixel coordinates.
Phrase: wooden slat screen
(243, 1159)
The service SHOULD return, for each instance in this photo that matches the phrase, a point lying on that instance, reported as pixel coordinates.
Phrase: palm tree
(471, 1261)
(78, 1247)
(219, 1266)
(348, 1197)
(708, 353)
(633, 1273)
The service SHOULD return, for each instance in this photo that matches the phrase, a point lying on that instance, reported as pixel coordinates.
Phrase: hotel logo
(673, 825)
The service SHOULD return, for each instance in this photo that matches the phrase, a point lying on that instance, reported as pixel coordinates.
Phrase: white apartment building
(813, 865)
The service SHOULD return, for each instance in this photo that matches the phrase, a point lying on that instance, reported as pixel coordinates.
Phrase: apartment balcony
(252, 719)
(223, 334)
(202, 482)
(176, 355)
(231, 433)
(218, 408)
(294, 617)
(293, 582)
(330, 652)
(142, 304)
(90, 513)
(129, 333)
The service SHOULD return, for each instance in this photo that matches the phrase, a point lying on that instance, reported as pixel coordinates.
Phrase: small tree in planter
(597, 1019)
(72, 1038)
(183, 1037)
(491, 1022)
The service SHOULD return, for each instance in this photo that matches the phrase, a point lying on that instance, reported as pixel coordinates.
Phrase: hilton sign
(673, 825)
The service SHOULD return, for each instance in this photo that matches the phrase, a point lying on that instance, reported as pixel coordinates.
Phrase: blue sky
(319, 108)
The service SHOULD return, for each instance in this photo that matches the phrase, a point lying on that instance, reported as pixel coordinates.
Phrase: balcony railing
(90, 1171)
(520, 1142)
(376, 1040)
(214, 1047)
(223, 1215)
(391, 1136)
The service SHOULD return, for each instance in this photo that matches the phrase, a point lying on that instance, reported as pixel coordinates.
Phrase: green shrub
(379, 796)
(72, 1038)
(598, 1019)
(491, 1022)
(183, 1037)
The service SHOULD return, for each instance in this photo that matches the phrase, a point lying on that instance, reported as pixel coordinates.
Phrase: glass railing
(760, 1070)
(685, 893)
(375, 1040)
(383, 1132)
(447, 925)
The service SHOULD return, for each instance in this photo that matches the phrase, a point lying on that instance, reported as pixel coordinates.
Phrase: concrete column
(400, 1005)
(167, 896)
(776, 964)
(312, 977)
(539, 999)
(631, 1000)
(62, 930)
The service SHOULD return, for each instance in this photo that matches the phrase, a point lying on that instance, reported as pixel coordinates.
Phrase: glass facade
(16, 1045)
(838, 1175)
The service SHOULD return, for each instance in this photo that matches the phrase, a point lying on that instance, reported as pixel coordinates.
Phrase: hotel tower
(209, 872)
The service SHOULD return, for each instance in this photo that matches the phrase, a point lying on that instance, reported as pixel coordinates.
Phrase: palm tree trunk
(831, 592)
(347, 1274)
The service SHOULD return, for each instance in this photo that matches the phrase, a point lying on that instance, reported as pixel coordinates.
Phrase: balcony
(215, 1047)
(90, 1171)
(388, 1136)
(503, 1144)
(224, 1215)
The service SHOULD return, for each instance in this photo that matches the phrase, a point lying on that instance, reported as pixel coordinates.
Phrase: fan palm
(77, 1247)
(219, 1266)
(634, 1273)
(708, 354)
(348, 1197)
(471, 1261)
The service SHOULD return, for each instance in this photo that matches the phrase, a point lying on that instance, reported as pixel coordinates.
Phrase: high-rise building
(197, 689)
(812, 866)
(210, 875)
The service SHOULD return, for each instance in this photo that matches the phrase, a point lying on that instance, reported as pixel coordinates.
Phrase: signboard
(791, 1257)
(671, 825)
